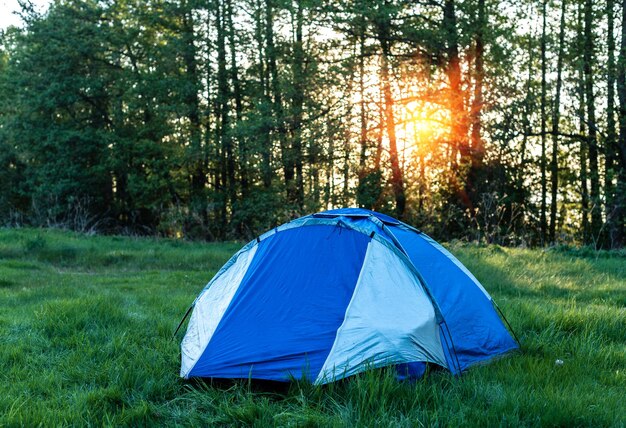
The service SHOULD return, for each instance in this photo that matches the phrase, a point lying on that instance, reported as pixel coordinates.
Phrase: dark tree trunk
(620, 191)
(277, 104)
(198, 167)
(592, 140)
(266, 126)
(363, 171)
(330, 169)
(460, 126)
(584, 189)
(554, 166)
(526, 122)
(297, 103)
(610, 145)
(397, 179)
(542, 214)
(236, 89)
(223, 98)
(478, 150)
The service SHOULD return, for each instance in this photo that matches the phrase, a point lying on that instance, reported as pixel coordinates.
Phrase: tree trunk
(314, 172)
(363, 171)
(198, 167)
(592, 141)
(478, 150)
(584, 192)
(397, 179)
(620, 191)
(543, 222)
(297, 103)
(554, 166)
(223, 98)
(277, 104)
(266, 127)
(330, 169)
(236, 85)
(526, 122)
(210, 150)
(610, 145)
(460, 126)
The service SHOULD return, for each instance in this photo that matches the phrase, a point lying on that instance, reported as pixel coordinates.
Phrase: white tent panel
(210, 308)
(389, 320)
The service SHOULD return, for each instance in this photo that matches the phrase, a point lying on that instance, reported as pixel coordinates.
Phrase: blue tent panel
(284, 317)
(476, 329)
(413, 370)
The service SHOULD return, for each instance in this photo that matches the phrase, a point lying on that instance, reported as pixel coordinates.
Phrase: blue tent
(332, 294)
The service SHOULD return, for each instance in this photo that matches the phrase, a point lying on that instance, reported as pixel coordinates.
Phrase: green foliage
(368, 192)
(86, 326)
(87, 140)
(218, 120)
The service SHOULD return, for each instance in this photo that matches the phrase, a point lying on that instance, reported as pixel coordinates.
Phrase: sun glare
(423, 124)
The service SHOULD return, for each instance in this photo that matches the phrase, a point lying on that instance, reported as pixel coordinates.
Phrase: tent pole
(182, 321)
(453, 350)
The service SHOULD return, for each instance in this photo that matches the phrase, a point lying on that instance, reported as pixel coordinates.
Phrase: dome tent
(332, 294)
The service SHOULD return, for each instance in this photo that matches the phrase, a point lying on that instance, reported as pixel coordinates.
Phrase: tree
(219, 120)
(556, 115)
(542, 212)
(592, 139)
(620, 201)
(610, 144)
(383, 32)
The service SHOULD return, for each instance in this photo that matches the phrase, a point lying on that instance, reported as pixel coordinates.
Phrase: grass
(86, 324)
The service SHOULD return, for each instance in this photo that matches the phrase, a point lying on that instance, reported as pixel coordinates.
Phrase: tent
(332, 294)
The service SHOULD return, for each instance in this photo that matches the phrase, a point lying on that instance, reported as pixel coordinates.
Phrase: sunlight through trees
(484, 120)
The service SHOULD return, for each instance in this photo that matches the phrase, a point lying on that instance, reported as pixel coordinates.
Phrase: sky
(7, 7)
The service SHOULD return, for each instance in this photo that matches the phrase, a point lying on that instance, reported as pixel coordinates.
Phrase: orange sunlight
(423, 124)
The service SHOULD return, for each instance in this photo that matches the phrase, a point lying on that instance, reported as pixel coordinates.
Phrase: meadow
(86, 327)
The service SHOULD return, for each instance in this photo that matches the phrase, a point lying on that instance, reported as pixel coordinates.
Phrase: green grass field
(86, 324)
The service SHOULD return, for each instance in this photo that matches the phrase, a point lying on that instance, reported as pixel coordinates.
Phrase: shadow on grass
(260, 386)
(284, 388)
(4, 283)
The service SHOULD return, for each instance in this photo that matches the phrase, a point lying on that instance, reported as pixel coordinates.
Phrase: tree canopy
(484, 120)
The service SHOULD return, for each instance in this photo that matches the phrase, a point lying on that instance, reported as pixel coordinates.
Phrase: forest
(487, 120)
